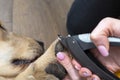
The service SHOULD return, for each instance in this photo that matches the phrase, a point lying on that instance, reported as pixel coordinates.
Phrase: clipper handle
(86, 43)
(79, 47)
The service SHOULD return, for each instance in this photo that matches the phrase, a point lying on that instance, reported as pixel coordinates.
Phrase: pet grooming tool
(79, 46)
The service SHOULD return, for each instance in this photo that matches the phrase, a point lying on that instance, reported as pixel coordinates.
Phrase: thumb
(106, 27)
(101, 43)
(100, 35)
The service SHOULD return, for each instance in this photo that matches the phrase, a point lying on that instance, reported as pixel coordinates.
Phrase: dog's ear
(1, 27)
(56, 69)
(3, 33)
(41, 44)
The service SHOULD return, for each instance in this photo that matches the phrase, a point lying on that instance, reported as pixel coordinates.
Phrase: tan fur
(12, 48)
(36, 70)
(15, 48)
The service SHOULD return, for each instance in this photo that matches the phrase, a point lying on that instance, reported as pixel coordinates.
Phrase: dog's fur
(22, 58)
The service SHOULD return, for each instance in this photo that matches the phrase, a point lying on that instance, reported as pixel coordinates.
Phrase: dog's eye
(21, 62)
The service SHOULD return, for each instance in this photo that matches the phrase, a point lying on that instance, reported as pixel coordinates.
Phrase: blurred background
(39, 19)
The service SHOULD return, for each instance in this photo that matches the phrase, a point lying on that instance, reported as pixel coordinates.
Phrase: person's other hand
(106, 27)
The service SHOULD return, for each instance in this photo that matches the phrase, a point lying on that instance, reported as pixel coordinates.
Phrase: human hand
(107, 27)
(74, 69)
(66, 61)
(77, 72)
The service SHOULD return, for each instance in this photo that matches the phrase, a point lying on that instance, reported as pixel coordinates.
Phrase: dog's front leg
(4, 78)
(28, 74)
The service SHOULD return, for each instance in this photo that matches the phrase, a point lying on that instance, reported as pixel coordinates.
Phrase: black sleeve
(84, 15)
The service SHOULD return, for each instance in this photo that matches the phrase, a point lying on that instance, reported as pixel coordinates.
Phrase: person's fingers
(100, 35)
(66, 62)
(85, 72)
(67, 78)
(93, 77)
(101, 43)
(76, 65)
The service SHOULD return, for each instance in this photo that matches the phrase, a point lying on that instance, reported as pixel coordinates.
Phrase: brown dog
(21, 58)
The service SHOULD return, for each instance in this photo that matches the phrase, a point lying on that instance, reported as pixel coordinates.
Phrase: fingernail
(60, 56)
(94, 79)
(103, 50)
(86, 74)
(77, 67)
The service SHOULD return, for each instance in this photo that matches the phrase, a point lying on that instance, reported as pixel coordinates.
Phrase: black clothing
(84, 15)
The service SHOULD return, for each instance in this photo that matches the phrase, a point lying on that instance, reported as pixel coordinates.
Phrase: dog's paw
(56, 69)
